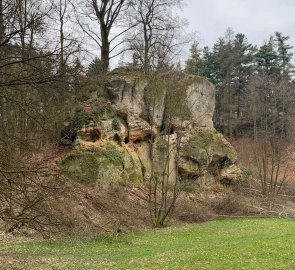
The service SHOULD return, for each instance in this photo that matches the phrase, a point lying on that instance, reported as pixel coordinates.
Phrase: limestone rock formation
(115, 132)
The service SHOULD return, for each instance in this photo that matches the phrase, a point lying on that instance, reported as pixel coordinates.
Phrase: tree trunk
(105, 48)
(61, 32)
(146, 50)
(2, 26)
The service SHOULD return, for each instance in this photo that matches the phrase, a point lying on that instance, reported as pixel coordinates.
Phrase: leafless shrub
(27, 198)
(229, 203)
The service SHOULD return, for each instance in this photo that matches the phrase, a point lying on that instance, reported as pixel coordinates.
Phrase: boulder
(171, 114)
(230, 174)
(103, 167)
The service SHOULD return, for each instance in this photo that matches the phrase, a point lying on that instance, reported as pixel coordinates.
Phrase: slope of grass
(228, 244)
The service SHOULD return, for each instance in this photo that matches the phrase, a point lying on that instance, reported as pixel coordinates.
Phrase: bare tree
(156, 36)
(26, 196)
(272, 112)
(8, 28)
(165, 147)
(62, 9)
(30, 100)
(102, 22)
(272, 163)
(2, 26)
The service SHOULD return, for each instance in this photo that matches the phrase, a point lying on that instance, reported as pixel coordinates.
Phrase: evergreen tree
(210, 66)
(194, 64)
(218, 49)
(226, 59)
(230, 64)
(267, 59)
(244, 53)
(284, 56)
(94, 67)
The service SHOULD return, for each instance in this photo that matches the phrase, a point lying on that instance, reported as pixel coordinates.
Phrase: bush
(229, 204)
(116, 124)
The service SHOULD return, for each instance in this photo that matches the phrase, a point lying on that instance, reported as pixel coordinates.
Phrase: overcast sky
(257, 19)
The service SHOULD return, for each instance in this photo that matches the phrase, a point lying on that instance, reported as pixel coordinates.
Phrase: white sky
(257, 19)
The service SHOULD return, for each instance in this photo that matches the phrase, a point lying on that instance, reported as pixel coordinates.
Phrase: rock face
(139, 123)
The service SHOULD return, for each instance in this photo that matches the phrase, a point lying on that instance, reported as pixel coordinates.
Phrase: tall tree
(271, 108)
(2, 26)
(62, 6)
(29, 79)
(194, 64)
(106, 14)
(210, 69)
(267, 59)
(226, 58)
(155, 38)
(284, 55)
(243, 69)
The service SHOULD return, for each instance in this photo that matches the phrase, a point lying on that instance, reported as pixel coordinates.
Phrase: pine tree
(233, 63)
(284, 56)
(94, 68)
(226, 59)
(267, 59)
(210, 66)
(244, 53)
(194, 64)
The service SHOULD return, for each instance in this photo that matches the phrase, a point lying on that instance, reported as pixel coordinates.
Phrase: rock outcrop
(116, 131)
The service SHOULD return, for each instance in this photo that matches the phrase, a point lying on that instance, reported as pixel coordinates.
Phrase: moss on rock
(113, 130)
(76, 166)
(198, 147)
(206, 145)
(222, 146)
(106, 167)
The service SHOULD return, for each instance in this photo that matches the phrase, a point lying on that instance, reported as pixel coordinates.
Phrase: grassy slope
(228, 244)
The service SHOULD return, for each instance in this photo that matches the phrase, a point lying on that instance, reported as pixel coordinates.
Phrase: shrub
(116, 124)
(229, 204)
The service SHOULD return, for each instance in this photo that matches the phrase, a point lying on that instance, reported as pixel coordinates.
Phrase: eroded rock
(230, 174)
(115, 133)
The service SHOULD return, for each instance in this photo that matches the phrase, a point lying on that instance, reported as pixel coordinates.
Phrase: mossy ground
(223, 245)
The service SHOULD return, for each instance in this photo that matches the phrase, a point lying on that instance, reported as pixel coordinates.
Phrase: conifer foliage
(231, 65)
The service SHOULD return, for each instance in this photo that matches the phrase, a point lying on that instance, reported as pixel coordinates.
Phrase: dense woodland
(254, 84)
(54, 52)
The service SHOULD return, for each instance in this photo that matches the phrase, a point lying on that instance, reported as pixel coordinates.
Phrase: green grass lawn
(227, 244)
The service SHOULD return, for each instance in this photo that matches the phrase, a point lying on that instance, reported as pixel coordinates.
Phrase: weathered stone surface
(115, 133)
(230, 174)
(189, 168)
(107, 166)
(204, 153)
(126, 97)
(201, 102)
(143, 152)
(139, 129)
